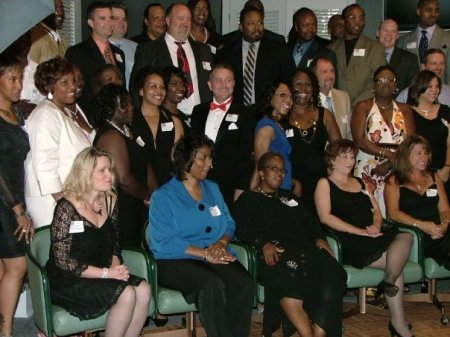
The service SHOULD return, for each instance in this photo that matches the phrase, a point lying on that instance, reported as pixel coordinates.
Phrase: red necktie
(222, 106)
(107, 54)
(183, 64)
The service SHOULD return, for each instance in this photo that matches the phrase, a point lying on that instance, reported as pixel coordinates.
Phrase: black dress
(308, 164)
(132, 211)
(436, 132)
(71, 254)
(159, 146)
(303, 271)
(355, 208)
(14, 147)
(425, 207)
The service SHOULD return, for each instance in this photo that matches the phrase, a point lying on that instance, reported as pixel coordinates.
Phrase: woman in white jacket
(56, 136)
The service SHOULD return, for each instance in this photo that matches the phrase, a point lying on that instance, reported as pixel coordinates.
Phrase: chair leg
(190, 324)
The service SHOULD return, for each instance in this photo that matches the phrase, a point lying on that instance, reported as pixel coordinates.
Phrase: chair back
(40, 246)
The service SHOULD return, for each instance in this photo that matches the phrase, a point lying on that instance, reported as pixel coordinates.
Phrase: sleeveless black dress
(356, 209)
(72, 253)
(425, 207)
(308, 164)
(14, 147)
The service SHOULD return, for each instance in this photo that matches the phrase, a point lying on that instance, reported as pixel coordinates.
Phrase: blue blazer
(178, 221)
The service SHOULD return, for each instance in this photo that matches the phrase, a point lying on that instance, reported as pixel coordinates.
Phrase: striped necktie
(423, 45)
(183, 64)
(249, 72)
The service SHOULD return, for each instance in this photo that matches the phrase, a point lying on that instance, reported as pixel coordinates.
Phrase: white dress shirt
(214, 120)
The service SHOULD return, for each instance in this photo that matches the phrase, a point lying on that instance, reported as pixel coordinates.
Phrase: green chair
(169, 301)
(54, 320)
(370, 277)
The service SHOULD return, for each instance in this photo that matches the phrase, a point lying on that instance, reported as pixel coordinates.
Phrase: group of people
(211, 138)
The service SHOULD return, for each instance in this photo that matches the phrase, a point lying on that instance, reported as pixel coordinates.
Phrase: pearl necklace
(125, 131)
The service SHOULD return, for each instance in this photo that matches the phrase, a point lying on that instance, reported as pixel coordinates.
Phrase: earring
(395, 91)
(49, 95)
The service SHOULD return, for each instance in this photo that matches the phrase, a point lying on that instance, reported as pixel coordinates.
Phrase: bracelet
(206, 254)
(105, 273)
(18, 215)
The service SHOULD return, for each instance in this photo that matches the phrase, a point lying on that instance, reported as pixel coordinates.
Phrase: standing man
(194, 58)
(306, 46)
(336, 27)
(427, 35)
(154, 25)
(230, 126)
(96, 50)
(357, 56)
(257, 61)
(403, 62)
(433, 60)
(337, 101)
(120, 28)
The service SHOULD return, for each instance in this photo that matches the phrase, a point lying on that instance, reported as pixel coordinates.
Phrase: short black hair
(247, 10)
(94, 6)
(421, 3)
(107, 100)
(150, 5)
(346, 9)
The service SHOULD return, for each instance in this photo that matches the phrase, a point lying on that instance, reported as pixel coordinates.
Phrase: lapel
(337, 105)
(223, 129)
(354, 60)
(203, 116)
(395, 58)
(310, 53)
(260, 59)
(198, 57)
(95, 52)
(437, 39)
(340, 55)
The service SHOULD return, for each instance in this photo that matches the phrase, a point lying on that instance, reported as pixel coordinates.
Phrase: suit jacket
(342, 111)
(273, 63)
(316, 49)
(88, 58)
(156, 53)
(440, 39)
(232, 37)
(233, 147)
(405, 65)
(356, 77)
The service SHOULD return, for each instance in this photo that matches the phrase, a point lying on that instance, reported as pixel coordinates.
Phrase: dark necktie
(249, 72)
(107, 55)
(183, 64)
(423, 45)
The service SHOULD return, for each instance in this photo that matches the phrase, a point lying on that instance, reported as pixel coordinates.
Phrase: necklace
(384, 107)
(427, 110)
(97, 210)
(73, 115)
(275, 195)
(125, 131)
(306, 136)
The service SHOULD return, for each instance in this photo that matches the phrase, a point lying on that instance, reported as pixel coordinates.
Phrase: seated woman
(295, 263)
(345, 205)
(86, 275)
(189, 235)
(135, 178)
(416, 197)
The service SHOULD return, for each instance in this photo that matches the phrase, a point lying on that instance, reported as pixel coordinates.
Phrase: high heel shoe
(393, 331)
(387, 289)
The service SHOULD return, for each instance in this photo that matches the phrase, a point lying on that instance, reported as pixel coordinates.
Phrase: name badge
(231, 117)
(118, 57)
(290, 203)
(140, 142)
(165, 127)
(233, 126)
(206, 65)
(359, 52)
(76, 226)
(344, 119)
(309, 62)
(444, 121)
(411, 45)
(289, 133)
(215, 211)
(431, 192)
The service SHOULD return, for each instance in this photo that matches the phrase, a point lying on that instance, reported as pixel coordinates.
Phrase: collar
(53, 33)
(170, 39)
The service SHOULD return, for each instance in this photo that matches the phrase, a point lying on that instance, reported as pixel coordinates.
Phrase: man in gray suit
(335, 100)
(357, 56)
(427, 34)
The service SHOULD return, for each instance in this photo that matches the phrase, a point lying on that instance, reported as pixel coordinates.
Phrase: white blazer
(55, 141)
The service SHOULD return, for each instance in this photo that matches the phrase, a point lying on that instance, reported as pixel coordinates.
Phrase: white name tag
(118, 57)
(431, 192)
(140, 142)
(359, 52)
(289, 133)
(344, 119)
(444, 121)
(76, 226)
(206, 65)
(309, 62)
(290, 203)
(231, 117)
(167, 126)
(232, 126)
(215, 211)
(411, 45)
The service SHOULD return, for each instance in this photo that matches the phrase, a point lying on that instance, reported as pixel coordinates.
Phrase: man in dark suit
(230, 125)
(304, 44)
(166, 51)
(95, 51)
(403, 62)
(271, 63)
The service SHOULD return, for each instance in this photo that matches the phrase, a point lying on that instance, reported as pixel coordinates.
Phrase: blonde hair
(79, 181)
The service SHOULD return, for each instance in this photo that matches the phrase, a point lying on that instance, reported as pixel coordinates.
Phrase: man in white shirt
(120, 28)
(337, 101)
(433, 60)
(174, 49)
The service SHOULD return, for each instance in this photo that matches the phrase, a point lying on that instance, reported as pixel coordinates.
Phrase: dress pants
(223, 293)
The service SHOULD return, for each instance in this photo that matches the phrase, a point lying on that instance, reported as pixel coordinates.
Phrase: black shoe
(160, 322)
(387, 289)
(394, 332)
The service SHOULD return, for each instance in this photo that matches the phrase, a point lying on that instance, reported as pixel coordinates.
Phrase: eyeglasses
(385, 80)
(283, 94)
(275, 169)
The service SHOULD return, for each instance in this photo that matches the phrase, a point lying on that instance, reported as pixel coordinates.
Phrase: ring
(24, 230)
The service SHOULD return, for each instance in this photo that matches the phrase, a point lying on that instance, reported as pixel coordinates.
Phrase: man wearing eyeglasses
(230, 126)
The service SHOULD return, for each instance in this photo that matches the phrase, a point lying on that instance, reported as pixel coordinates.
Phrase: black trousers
(223, 293)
